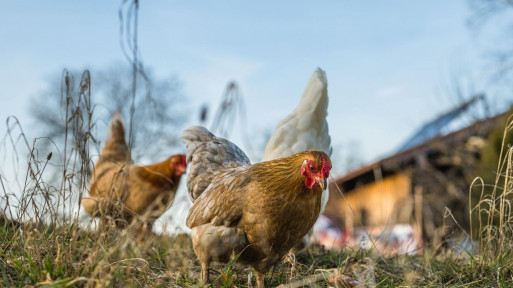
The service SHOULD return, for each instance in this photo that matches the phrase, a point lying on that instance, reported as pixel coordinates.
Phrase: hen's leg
(259, 279)
(142, 230)
(148, 229)
(204, 273)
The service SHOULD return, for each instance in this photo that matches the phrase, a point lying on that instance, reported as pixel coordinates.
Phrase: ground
(68, 256)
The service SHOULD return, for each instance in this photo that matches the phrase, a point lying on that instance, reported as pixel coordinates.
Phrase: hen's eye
(311, 168)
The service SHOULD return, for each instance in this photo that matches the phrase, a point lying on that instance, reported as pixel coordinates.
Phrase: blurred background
(239, 68)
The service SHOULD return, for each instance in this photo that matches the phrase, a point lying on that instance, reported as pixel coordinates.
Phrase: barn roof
(408, 154)
(440, 125)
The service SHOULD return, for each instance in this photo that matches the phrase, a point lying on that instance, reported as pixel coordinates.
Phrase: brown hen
(259, 211)
(127, 192)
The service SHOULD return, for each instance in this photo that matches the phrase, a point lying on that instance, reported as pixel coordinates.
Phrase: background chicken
(304, 129)
(259, 211)
(128, 192)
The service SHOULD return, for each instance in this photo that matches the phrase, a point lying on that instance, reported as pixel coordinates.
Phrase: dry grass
(67, 256)
(44, 243)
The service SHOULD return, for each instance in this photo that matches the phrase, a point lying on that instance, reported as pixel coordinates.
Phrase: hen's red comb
(325, 170)
(184, 161)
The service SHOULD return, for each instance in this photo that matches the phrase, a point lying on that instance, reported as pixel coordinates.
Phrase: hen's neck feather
(158, 173)
(283, 175)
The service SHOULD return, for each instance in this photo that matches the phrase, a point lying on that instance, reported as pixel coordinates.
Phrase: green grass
(68, 256)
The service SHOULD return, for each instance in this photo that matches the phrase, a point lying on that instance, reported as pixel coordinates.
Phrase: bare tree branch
(158, 117)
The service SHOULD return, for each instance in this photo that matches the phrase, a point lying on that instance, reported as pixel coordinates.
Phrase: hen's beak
(322, 182)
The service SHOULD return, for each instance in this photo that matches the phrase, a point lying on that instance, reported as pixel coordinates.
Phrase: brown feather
(125, 191)
(265, 207)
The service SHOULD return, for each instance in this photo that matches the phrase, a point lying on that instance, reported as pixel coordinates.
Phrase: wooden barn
(425, 184)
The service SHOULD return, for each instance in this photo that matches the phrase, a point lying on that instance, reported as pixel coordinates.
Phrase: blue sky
(387, 63)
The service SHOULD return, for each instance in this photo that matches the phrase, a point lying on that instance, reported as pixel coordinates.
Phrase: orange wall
(380, 199)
